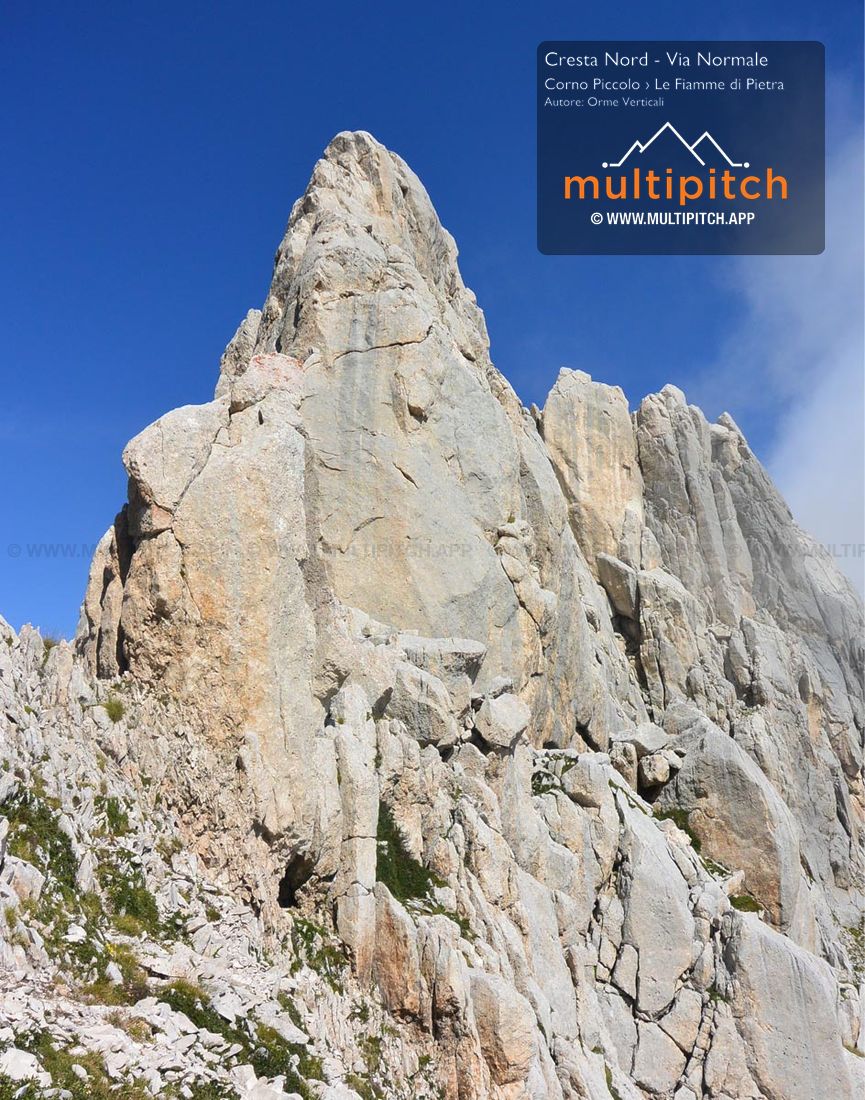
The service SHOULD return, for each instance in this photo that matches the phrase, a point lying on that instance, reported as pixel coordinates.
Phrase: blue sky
(152, 154)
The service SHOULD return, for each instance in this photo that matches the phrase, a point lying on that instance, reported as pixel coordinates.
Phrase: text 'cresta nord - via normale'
(755, 60)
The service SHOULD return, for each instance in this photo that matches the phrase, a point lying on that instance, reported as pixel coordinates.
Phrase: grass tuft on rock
(365, 1088)
(188, 998)
(263, 1047)
(745, 903)
(544, 782)
(407, 879)
(272, 1055)
(128, 895)
(311, 945)
(35, 835)
(611, 1088)
(681, 819)
(116, 818)
(16, 1090)
(396, 867)
(133, 986)
(114, 708)
(59, 1062)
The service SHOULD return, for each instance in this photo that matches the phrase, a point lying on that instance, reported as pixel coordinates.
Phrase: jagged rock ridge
(551, 720)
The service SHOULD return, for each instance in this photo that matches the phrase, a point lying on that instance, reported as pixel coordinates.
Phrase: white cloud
(817, 463)
(796, 358)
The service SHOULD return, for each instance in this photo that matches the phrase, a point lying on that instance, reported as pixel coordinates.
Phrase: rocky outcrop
(784, 1005)
(449, 741)
(738, 817)
(588, 433)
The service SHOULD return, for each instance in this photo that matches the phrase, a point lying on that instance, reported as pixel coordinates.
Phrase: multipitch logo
(693, 178)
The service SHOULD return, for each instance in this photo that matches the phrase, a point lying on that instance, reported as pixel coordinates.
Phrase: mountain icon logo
(641, 146)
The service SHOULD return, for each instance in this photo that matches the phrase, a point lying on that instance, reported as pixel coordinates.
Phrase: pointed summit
(364, 264)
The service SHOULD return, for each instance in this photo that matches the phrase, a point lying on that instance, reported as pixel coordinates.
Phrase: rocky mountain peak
(365, 264)
(471, 751)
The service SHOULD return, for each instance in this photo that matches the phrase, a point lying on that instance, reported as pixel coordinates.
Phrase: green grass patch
(168, 846)
(114, 708)
(136, 1028)
(273, 1055)
(371, 1049)
(123, 901)
(434, 909)
(210, 1090)
(853, 938)
(361, 1013)
(545, 783)
(35, 835)
(58, 1062)
(611, 1088)
(263, 1048)
(312, 945)
(717, 869)
(127, 893)
(365, 1089)
(132, 988)
(682, 821)
(407, 879)
(116, 818)
(127, 925)
(16, 1090)
(192, 1001)
(400, 872)
(745, 903)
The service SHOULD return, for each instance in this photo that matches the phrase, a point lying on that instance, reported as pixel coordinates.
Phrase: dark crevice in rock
(583, 731)
(298, 872)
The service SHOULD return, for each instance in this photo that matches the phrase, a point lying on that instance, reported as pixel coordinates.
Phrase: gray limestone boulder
(738, 816)
(502, 720)
(785, 1007)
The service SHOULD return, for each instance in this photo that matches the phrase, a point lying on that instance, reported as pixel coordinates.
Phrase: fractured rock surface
(413, 744)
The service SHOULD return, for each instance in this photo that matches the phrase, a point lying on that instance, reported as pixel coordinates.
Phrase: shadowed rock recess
(417, 744)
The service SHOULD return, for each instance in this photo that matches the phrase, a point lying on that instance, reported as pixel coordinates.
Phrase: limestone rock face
(739, 818)
(587, 428)
(784, 1006)
(658, 921)
(506, 1027)
(449, 740)
(416, 466)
